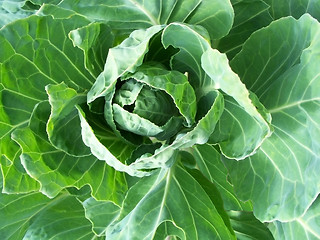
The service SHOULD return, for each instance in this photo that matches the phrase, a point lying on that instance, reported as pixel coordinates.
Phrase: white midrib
(306, 227)
(153, 20)
(279, 109)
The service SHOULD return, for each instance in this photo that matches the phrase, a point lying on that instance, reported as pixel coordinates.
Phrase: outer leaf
(304, 227)
(246, 226)
(95, 41)
(55, 170)
(209, 162)
(168, 196)
(33, 216)
(210, 70)
(216, 66)
(101, 151)
(128, 15)
(295, 8)
(13, 10)
(282, 177)
(250, 15)
(100, 213)
(63, 127)
(25, 70)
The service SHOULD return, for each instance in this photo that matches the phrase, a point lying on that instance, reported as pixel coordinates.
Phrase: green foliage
(178, 119)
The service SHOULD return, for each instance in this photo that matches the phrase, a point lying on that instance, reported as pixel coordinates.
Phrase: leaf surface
(209, 162)
(13, 10)
(246, 226)
(304, 227)
(169, 196)
(42, 218)
(26, 67)
(128, 15)
(56, 170)
(281, 178)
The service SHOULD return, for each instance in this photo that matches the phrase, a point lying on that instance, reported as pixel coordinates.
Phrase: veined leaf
(216, 66)
(15, 178)
(34, 216)
(304, 227)
(26, 68)
(64, 120)
(56, 170)
(294, 8)
(209, 162)
(172, 82)
(128, 15)
(94, 40)
(13, 10)
(200, 134)
(250, 15)
(168, 195)
(246, 226)
(281, 178)
(101, 152)
(100, 213)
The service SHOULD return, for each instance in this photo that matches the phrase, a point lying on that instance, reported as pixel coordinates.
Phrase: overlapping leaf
(282, 177)
(56, 170)
(246, 226)
(13, 10)
(42, 218)
(128, 15)
(100, 213)
(294, 8)
(249, 16)
(169, 196)
(27, 67)
(304, 227)
(209, 163)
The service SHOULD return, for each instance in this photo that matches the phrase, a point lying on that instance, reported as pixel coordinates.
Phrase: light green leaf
(11, 10)
(216, 65)
(294, 8)
(121, 59)
(102, 152)
(282, 177)
(94, 40)
(209, 162)
(250, 15)
(155, 105)
(63, 127)
(209, 70)
(192, 41)
(26, 67)
(215, 16)
(247, 227)
(304, 227)
(200, 134)
(56, 170)
(174, 84)
(15, 178)
(128, 93)
(34, 216)
(100, 214)
(128, 15)
(168, 195)
(134, 123)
